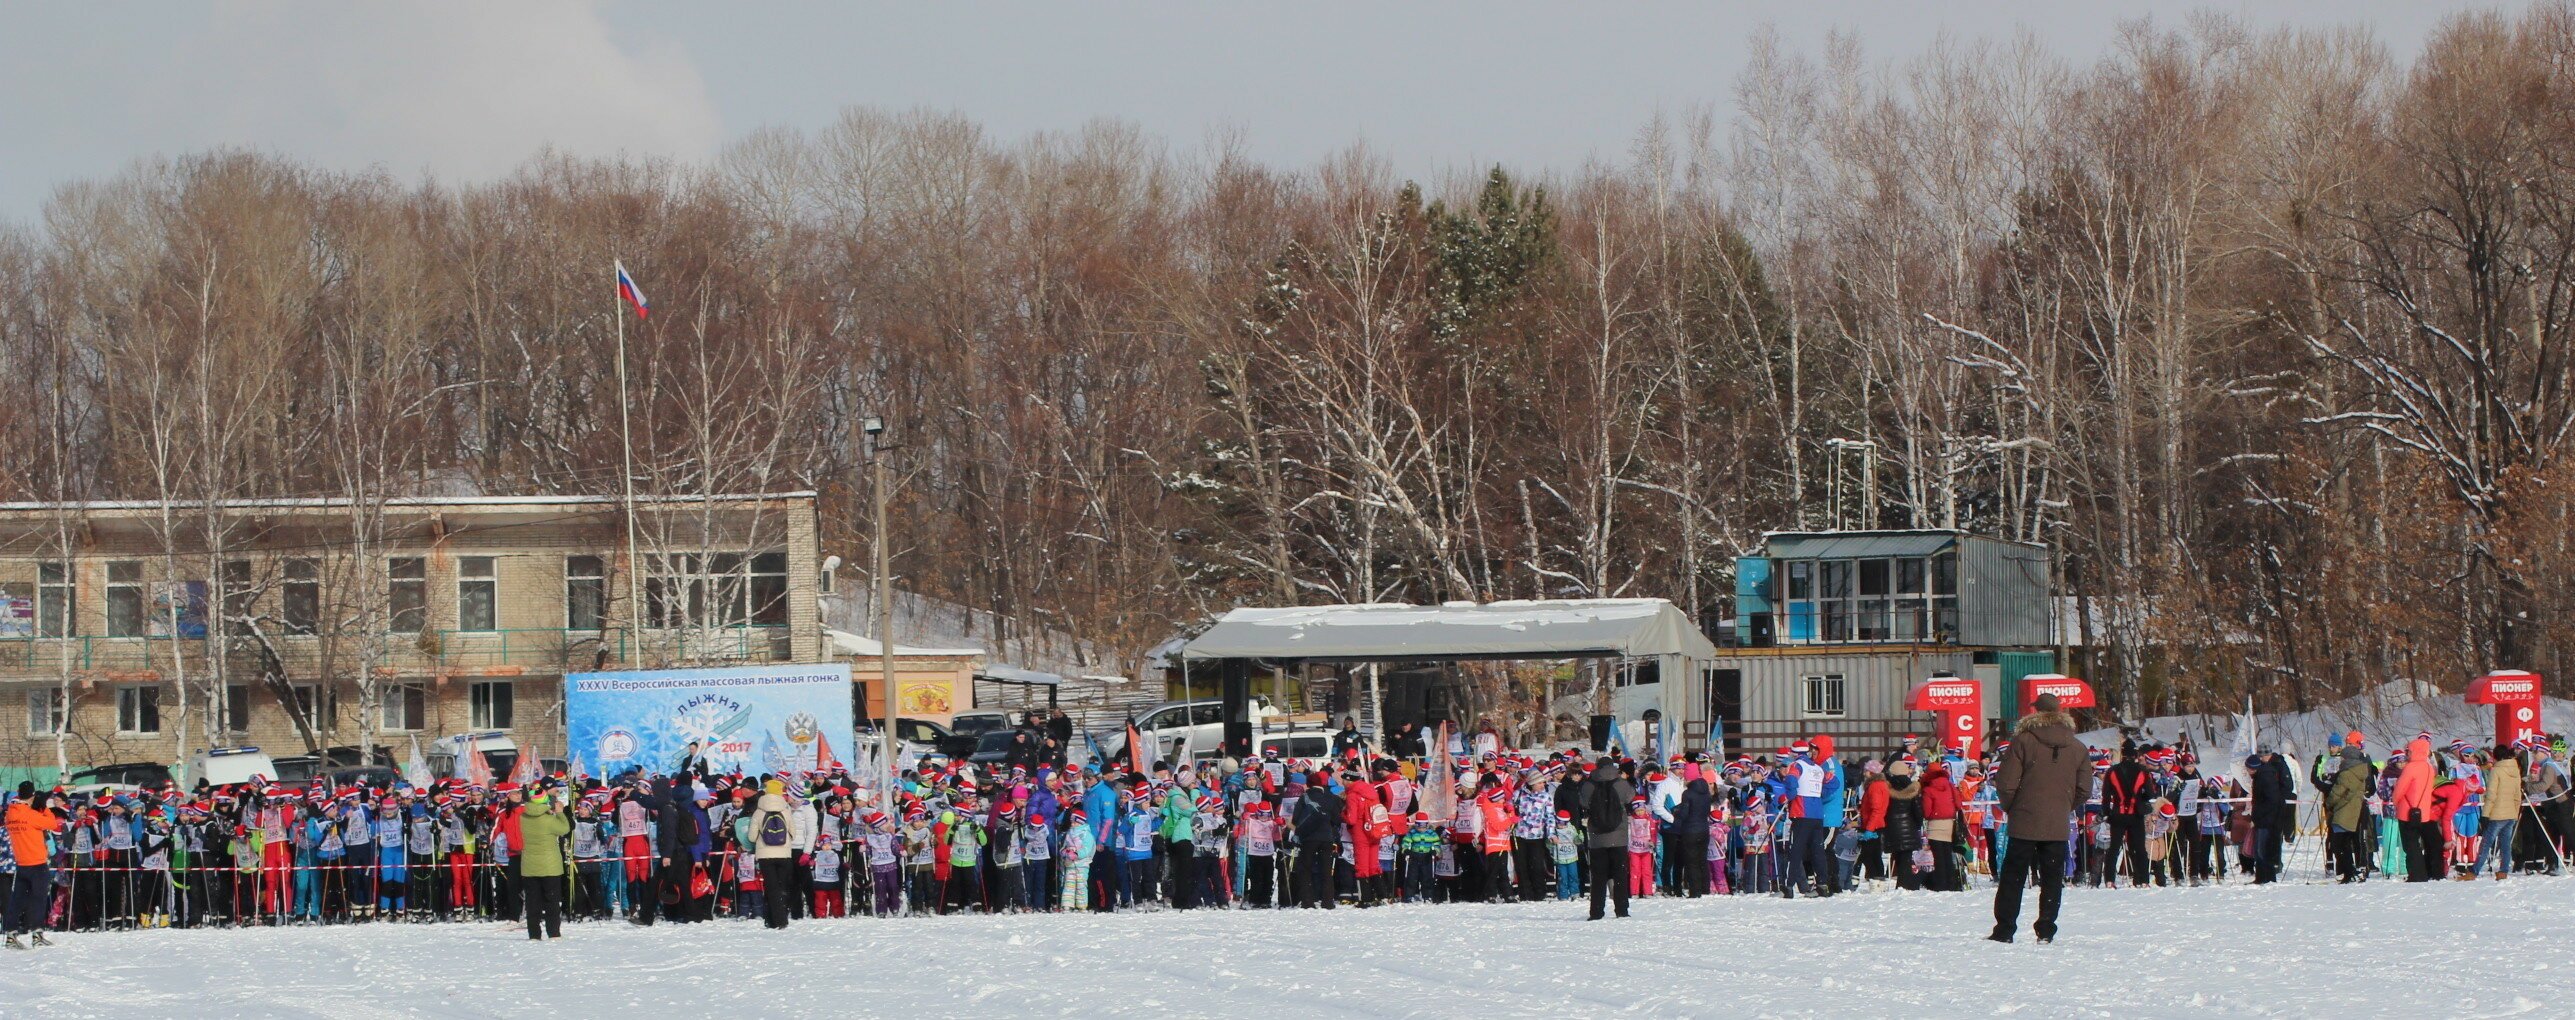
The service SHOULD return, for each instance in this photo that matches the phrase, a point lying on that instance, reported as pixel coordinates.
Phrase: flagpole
(626, 442)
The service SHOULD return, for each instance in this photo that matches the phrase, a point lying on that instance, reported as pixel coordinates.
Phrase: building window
(1823, 695)
(54, 601)
(585, 593)
(406, 707)
(237, 708)
(726, 581)
(769, 590)
(308, 697)
(407, 594)
(47, 711)
(1834, 582)
(494, 703)
(675, 591)
(1944, 597)
(1912, 620)
(301, 601)
(1633, 674)
(240, 599)
(723, 589)
(1801, 600)
(125, 598)
(478, 592)
(138, 710)
(1870, 614)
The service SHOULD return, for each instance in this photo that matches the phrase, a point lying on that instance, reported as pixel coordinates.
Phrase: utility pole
(875, 429)
(635, 622)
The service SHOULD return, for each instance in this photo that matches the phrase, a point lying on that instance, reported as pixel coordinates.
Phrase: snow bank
(2381, 949)
(2388, 716)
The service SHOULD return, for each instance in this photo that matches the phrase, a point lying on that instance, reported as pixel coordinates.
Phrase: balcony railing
(549, 650)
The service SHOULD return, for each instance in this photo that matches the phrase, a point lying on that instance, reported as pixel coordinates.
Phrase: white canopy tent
(1520, 629)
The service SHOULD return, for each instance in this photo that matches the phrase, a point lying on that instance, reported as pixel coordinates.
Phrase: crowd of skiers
(1494, 825)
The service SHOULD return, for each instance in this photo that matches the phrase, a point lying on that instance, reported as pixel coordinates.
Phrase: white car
(1182, 730)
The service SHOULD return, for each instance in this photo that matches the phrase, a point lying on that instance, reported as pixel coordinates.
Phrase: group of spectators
(1444, 819)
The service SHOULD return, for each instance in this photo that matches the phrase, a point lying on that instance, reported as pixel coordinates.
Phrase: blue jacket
(1100, 805)
(705, 843)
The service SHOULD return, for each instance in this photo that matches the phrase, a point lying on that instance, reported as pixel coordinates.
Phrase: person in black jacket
(1318, 836)
(674, 829)
(1027, 745)
(692, 761)
(2274, 811)
(1903, 832)
(2125, 793)
(1349, 738)
(1605, 847)
(1689, 837)
(1060, 729)
(1407, 742)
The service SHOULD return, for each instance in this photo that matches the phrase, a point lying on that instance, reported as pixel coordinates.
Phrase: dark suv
(145, 774)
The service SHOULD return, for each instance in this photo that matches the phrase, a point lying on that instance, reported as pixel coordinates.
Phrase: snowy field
(2384, 949)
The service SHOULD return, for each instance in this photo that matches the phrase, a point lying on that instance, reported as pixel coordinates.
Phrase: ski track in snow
(2291, 950)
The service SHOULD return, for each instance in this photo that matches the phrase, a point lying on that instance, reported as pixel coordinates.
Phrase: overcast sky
(467, 89)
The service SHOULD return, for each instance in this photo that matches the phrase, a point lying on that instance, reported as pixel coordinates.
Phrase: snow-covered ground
(2383, 949)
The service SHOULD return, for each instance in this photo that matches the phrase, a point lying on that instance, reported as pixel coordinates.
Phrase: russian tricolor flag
(626, 288)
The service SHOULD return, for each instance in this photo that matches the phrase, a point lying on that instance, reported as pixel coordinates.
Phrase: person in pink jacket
(2418, 819)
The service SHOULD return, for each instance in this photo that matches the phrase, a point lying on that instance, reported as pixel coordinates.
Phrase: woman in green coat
(2346, 810)
(543, 826)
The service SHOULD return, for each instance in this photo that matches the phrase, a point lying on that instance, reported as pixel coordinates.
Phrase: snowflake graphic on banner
(712, 720)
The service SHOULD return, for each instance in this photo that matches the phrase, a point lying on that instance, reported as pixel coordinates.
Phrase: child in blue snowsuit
(308, 885)
(392, 859)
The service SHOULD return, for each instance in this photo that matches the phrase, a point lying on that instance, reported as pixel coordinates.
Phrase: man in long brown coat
(2039, 783)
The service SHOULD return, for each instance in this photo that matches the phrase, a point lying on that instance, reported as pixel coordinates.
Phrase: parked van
(225, 766)
(448, 756)
(1295, 745)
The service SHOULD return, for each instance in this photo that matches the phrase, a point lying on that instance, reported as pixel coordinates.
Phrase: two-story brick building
(315, 623)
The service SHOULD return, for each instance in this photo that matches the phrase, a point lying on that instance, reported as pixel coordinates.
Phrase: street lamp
(874, 427)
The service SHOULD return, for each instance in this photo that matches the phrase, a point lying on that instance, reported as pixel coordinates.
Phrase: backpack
(773, 829)
(1603, 812)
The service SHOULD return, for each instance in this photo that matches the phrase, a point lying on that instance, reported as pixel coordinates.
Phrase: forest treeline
(2266, 332)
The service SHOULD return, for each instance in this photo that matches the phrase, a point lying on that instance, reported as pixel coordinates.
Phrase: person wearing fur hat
(1903, 830)
(2042, 779)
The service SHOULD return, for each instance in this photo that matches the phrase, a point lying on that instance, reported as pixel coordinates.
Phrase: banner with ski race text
(747, 719)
